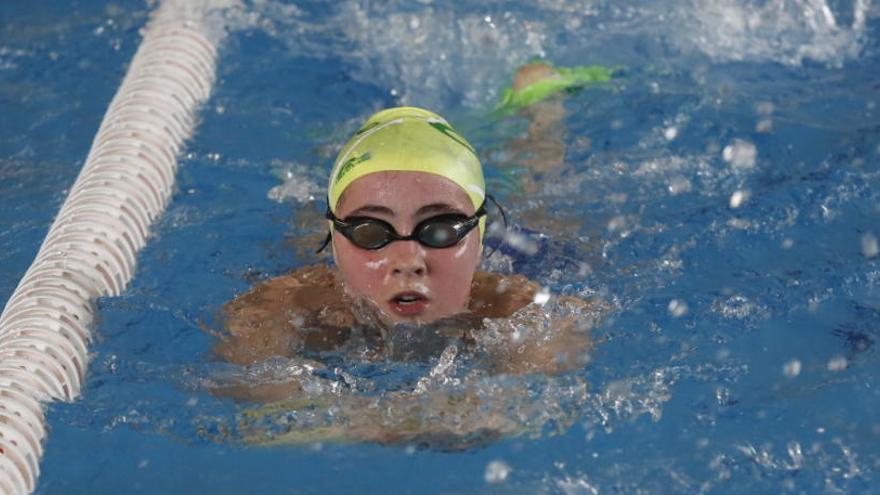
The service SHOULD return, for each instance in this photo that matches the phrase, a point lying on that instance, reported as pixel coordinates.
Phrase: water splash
(784, 31)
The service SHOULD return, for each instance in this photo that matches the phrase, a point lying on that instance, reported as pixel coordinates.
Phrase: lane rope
(91, 248)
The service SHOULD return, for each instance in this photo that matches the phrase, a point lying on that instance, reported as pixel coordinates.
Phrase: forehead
(403, 190)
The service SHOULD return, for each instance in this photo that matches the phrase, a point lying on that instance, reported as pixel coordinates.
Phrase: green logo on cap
(350, 164)
(450, 132)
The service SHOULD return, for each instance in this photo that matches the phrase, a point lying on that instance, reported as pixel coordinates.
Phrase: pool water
(721, 195)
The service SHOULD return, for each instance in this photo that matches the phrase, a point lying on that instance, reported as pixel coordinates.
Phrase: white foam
(784, 31)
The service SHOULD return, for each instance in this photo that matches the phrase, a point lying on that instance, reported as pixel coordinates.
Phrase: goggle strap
(503, 216)
(326, 242)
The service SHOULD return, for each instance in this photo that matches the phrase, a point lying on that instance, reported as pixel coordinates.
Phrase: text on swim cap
(350, 164)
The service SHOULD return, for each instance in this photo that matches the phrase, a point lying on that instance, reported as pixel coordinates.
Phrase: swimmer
(542, 149)
(537, 93)
(406, 214)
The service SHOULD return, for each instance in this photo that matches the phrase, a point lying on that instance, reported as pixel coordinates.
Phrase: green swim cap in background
(408, 139)
(563, 79)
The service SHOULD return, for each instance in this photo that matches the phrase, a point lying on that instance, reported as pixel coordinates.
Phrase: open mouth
(408, 303)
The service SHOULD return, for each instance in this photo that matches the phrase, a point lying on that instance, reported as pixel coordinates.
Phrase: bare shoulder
(270, 297)
(498, 296)
(270, 319)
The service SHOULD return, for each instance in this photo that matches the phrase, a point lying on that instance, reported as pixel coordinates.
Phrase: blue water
(721, 196)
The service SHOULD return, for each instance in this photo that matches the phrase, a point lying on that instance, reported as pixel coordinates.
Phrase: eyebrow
(371, 209)
(424, 210)
(438, 208)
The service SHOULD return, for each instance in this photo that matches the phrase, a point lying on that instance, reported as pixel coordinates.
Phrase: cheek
(457, 265)
(362, 271)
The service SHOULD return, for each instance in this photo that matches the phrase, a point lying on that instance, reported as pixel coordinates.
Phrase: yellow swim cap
(408, 139)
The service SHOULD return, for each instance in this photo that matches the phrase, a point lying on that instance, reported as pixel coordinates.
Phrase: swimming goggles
(441, 231)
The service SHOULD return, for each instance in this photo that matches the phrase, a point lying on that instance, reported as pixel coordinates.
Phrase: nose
(407, 259)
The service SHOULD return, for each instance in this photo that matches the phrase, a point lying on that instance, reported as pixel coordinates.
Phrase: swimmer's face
(408, 282)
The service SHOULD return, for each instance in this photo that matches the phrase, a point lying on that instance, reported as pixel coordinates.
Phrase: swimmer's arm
(435, 420)
(262, 393)
(564, 346)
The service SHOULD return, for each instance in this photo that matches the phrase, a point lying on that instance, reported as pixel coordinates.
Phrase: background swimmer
(407, 211)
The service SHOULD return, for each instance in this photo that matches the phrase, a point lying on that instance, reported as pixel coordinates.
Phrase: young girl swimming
(406, 215)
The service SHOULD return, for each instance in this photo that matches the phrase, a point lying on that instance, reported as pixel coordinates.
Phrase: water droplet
(679, 185)
(497, 471)
(869, 245)
(616, 223)
(838, 363)
(678, 308)
(764, 126)
(792, 368)
(764, 108)
(521, 242)
(738, 198)
(542, 296)
(740, 154)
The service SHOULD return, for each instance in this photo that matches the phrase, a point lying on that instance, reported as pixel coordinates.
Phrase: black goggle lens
(440, 233)
(369, 234)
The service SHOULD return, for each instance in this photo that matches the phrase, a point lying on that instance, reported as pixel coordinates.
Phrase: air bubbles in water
(497, 471)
